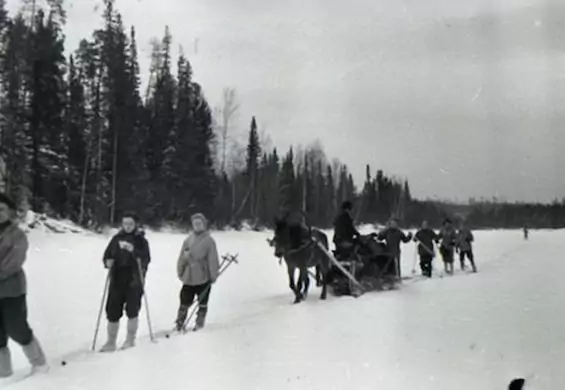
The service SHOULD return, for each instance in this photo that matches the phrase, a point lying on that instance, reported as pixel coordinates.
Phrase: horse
(299, 248)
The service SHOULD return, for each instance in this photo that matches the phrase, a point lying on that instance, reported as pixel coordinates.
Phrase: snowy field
(466, 332)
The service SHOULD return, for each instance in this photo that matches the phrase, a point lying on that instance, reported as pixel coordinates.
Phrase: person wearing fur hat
(127, 257)
(197, 268)
(13, 303)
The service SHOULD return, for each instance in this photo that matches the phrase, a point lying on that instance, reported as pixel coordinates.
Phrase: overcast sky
(465, 98)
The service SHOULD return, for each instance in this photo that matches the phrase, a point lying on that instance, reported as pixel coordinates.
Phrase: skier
(448, 237)
(197, 268)
(526, 232)
(393, 236)
(425, 238)
(13, 304)
(127, 257)
(345, 234)
(464, 246)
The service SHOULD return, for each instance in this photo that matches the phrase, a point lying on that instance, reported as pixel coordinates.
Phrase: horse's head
(281, 241)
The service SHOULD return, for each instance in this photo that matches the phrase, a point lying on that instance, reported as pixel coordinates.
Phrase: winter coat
(344, 228)
(125, 262)
(198, 262)
(393, 238)
(425, 239)
(13, 253)
(448, 237)
(464, 240)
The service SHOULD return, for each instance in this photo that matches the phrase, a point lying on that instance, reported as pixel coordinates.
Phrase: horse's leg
(306, 281)
(300, 285)
(291, 283)
(318, 276)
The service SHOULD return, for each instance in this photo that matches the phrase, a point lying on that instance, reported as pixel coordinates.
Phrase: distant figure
(517, 384)
(526, 232)
(393, 236)
(465, 247)
(425, 238)
(448, 237)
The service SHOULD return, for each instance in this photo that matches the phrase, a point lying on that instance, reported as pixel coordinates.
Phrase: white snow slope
(469, 331)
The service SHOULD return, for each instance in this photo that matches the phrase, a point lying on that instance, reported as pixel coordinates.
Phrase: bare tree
(225, 116)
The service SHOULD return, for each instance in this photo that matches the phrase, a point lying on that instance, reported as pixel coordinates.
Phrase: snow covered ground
(464, 332)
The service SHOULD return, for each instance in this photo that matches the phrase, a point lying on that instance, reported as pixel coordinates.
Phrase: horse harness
(305, 246)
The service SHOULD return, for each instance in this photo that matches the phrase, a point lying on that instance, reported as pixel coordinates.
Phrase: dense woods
(80, 139)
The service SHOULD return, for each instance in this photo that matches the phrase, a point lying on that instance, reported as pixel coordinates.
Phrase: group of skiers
(449, 239)
(127, 258)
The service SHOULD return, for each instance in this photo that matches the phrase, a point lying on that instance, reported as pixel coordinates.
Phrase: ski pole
(99, 318)
(144, 292)
(227, 260)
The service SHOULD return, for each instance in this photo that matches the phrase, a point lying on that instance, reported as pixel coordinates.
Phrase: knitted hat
(132, 215)
(199, 216)
(8, 201)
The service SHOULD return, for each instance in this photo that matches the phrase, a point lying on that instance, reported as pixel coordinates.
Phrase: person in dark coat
(448, 238)
(393, 237)
(425, 238)
(127, 257)
(465, 240)
(345, 233)
(13, 289)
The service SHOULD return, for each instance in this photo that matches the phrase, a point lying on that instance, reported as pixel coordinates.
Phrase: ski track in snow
(473, 331)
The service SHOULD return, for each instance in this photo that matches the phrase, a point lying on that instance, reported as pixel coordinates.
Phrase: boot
(110, 346)
(200, 318)
(181, 318)
(5, 363)
(133, 324)
(35, 356)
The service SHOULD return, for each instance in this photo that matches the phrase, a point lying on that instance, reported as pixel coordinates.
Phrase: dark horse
(298, 246)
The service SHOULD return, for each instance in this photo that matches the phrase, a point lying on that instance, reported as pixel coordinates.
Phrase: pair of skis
(227, 261)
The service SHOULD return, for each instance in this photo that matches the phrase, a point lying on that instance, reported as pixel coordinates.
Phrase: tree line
(80, 139)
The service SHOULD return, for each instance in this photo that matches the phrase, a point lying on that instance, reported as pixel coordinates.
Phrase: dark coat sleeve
(111, 251)
(405, 238)
(351, 226)
(142, 252)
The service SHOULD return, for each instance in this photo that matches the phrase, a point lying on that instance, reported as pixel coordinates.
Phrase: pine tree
(49, 166)
(205, 182)
(76, 125)
(252, 167)
(14, 136)
(287, 197)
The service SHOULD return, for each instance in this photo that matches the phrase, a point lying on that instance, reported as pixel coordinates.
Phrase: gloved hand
(126, 246)
(109, 263)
